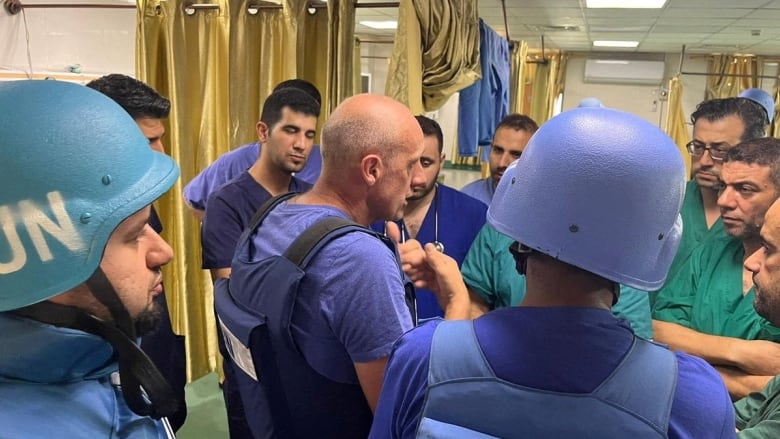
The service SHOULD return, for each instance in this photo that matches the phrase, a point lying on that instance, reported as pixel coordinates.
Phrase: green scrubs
(694, 226)
(695, 230)
(489, 269)
(758, 414)
(706, 295)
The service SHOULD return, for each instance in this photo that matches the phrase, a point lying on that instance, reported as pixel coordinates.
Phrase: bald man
(322, 375)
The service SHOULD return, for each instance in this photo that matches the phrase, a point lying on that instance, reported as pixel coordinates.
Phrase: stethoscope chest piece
(438, 246)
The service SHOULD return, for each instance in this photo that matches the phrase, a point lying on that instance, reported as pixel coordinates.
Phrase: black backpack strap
(315, 237)
(268, 206)
(309, 240)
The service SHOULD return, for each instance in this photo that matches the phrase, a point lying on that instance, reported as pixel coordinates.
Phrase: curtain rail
(76, 5)
(197, 6)
(680, 71)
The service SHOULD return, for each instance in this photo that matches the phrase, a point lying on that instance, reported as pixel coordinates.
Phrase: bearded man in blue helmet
(79, 266)
(592, 203)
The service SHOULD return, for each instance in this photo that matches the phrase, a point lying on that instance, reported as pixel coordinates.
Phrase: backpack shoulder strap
(318, 235)
(268, 206)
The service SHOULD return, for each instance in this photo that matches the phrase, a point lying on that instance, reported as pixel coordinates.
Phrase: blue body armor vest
(465, 399)
(283, 396)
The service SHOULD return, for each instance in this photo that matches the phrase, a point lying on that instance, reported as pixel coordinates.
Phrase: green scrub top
(695, 230)
(706, 295)
(758, 414)
(489, 269)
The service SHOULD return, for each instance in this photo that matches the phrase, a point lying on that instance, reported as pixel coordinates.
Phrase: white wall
(643, 100)
(101, 40)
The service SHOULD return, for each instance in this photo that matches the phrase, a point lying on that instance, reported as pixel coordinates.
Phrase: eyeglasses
(696, 149)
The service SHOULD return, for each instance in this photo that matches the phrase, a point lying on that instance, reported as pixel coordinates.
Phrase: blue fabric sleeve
(222, 170)
(362, 295)
(403, 390)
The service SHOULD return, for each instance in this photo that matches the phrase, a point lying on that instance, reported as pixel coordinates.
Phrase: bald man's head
(373, 144)
(367, 124)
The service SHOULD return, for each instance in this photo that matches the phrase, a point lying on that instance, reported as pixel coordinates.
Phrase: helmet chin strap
(144, 388)
(615, 293)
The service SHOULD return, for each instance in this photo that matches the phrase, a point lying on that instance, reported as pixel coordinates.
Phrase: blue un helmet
(590, 102)
(763, 99)
(599, 189)
(74, 165)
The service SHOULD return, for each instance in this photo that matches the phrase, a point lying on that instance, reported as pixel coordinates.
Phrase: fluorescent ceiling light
(626, 4)
(616, 43)
(380, 24)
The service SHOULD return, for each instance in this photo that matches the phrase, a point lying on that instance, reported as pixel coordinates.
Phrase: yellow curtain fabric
(217, 67)
(676, 122)
(341, 53)
(543, 84)
(312, 53)
(436, 52)
(186, 59)
(258, 47)
(723, 83)
(517, 72)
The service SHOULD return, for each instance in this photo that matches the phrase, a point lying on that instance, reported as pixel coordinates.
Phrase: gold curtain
(543, 83)
(436, 52)
(326, 52)
(517, 63)
(312, 56)
(186, 59)
(722, 83)
(217, 67)
(341, 52)
(676, 122)
(258, 44)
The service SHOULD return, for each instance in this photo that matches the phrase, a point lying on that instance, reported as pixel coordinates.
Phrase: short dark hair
(301, 84)
(431, 128)
(763, 151)
(293, 98)
(752, 115)
(518, 122)
(136, 97)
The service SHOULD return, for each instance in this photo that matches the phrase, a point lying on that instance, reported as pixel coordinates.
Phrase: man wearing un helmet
(79, 266)
(592, 203)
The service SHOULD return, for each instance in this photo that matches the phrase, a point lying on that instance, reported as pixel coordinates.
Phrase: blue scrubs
(460, 217)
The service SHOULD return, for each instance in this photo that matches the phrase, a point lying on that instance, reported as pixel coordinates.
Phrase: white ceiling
(704, 26)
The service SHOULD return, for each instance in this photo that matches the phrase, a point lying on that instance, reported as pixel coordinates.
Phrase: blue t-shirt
(227, 166)
(361, 304)
(482, 189)
(459, 218)
(557, 349)
(231, 208)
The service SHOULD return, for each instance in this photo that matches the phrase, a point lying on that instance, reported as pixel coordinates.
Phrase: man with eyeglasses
(707, 308)
(718, 125)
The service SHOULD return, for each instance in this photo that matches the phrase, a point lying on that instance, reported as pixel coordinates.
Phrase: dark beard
(147, 322)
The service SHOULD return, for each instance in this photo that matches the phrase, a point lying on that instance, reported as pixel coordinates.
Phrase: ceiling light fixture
(602, 43)
(623, 4)
(380, 24)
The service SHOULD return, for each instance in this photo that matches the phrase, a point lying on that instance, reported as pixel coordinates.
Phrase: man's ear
(262, 132)
(371, 168)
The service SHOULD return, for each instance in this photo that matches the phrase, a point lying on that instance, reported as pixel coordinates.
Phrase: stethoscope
(438, 245)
